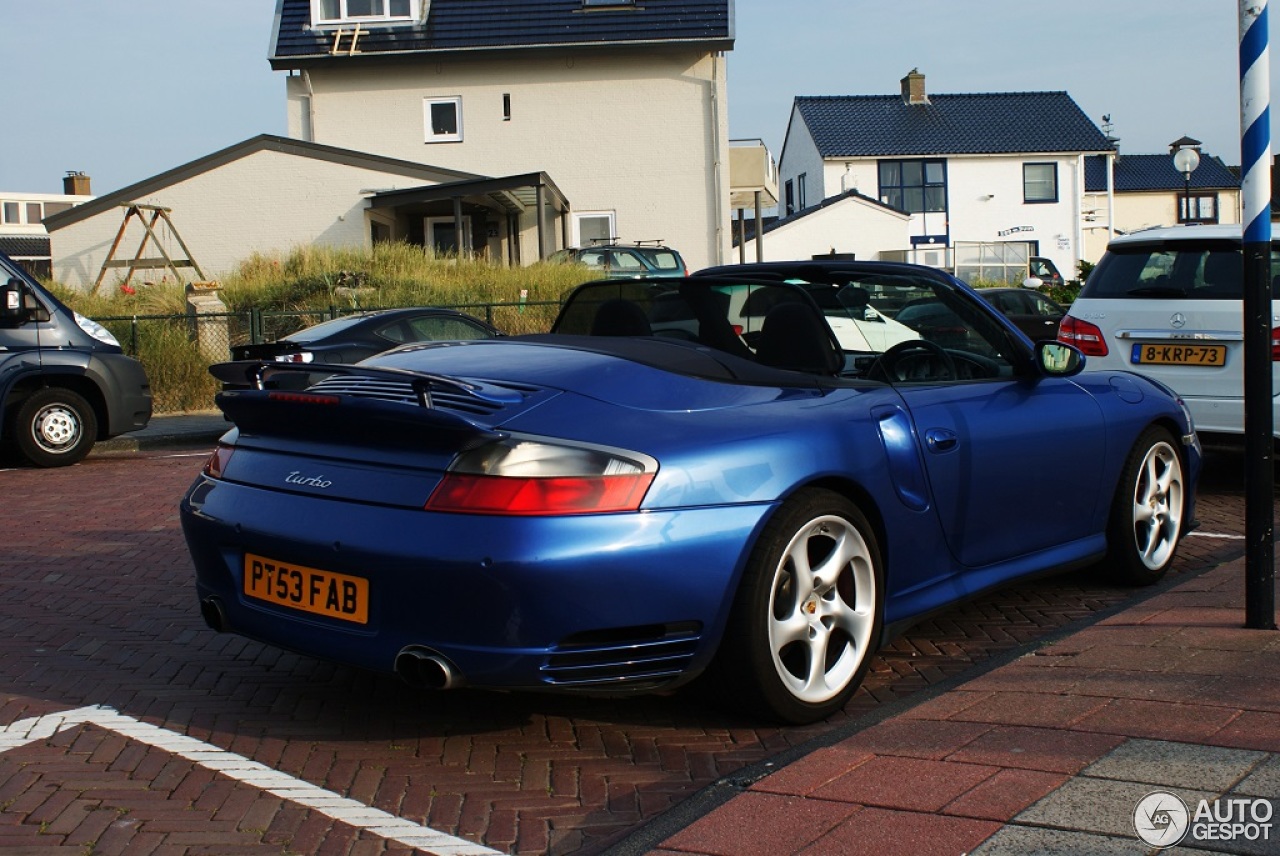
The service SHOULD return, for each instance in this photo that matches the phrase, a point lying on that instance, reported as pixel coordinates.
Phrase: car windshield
(857, 316)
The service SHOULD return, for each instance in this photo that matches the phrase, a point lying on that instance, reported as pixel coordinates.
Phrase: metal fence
(177, 350)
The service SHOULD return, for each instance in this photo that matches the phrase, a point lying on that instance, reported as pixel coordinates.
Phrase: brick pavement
(99, 609)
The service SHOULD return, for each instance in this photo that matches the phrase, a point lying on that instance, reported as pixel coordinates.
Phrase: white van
(1167, 303)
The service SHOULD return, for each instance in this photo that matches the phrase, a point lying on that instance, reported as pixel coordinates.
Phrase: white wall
(800, 157)
(851, 225)
(265, 202)
(644, 135)
(1005, 216)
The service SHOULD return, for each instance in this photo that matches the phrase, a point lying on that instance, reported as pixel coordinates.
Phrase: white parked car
(1167, 303)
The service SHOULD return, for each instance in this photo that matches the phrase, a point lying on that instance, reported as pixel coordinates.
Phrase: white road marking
(249, 772)
(1226, 535)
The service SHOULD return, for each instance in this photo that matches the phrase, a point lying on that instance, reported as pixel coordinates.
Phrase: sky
(123, 91)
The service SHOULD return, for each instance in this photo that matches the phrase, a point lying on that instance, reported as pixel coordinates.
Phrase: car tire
(808, 612)
(55, 428)
(1147, 513)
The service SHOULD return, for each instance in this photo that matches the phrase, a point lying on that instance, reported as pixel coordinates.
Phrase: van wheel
(55, 428)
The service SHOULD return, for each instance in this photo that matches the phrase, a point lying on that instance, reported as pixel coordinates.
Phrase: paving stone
(1262, 781)
(1100, 806)
(1176, 765)
(1023, 840)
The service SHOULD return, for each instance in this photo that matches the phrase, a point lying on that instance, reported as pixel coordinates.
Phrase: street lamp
(1185, 160)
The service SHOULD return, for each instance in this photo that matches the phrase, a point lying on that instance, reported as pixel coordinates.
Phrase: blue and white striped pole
(1255, 167)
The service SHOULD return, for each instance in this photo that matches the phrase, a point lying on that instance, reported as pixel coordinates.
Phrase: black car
(1029, 310)
(352, 338)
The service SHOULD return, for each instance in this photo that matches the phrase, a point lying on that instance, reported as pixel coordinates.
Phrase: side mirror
(11, 299)
(1033, 282)
(1059, 359)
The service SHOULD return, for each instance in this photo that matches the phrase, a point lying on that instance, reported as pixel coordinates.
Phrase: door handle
(941, 440)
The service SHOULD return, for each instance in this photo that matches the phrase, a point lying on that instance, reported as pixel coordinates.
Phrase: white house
(623, 103)
(967, 169)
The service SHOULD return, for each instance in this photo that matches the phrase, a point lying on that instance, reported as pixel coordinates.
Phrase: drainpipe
(717, 163)
(310, 135)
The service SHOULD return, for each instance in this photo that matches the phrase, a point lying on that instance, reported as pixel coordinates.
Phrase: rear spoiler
(322, 416)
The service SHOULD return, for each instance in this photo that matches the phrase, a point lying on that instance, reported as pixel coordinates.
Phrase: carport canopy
(516, 195)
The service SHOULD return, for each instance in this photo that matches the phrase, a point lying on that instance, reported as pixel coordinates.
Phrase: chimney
(913, 88)
(75, 184)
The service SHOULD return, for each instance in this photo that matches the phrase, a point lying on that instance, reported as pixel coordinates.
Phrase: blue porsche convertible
(754, 477)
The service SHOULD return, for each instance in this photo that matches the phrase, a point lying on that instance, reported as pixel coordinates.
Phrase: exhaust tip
(213, 613)
(426, 669)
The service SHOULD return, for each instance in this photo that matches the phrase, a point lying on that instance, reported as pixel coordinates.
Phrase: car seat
(795, 337)
(620, 318)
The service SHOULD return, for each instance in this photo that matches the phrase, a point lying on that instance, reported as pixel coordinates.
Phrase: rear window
(1183, 270)
(662, 259)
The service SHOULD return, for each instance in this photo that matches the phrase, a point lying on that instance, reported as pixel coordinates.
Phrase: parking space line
(246, 771)
(1225, 535)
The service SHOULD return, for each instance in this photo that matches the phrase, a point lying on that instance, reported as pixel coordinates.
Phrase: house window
(801, 181)
(789, 196)
(593, 227)
(330, 12)
(1039, 182)
(1204, 208)
(443, 117)
(12, 212)
(914, 186)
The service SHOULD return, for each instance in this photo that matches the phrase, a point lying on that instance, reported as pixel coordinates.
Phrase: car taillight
(1275, 344)
(533, 478)
(295, 357)
(1085, 336)
(217, 463)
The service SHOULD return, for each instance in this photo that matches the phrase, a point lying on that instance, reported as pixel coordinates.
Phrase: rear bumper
(591, 602)
(1214, 415)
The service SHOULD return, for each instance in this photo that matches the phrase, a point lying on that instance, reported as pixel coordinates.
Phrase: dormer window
(338, 12)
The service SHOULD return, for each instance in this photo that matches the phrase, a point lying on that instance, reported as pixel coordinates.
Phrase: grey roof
(1136, 173)
(993, 123)
(262, 142)
(472, 25)
(24, 246)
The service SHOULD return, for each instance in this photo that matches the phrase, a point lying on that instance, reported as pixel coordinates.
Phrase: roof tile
(466, 25)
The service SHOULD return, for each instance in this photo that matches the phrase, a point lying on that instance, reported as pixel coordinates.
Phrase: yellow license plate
(1179, 355)
(309, 589)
